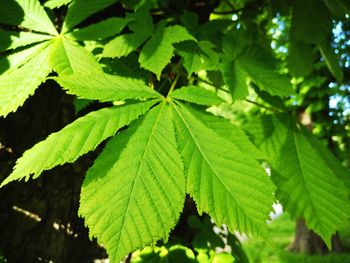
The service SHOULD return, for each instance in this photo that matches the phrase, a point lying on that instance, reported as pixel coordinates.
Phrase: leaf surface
(266, 77)
(74, 140)
(134, 193)
(79, 10)
(101, 30)
(307, 187)
(158, 50)
(105, 87)
(13, 40)
(235, 78)
(26, 13)
(196, 95)
(68, 57)
(56, 3)
(17, 85)
(225, 183)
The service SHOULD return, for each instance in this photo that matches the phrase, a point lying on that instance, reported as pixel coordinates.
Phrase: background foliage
(192, 103)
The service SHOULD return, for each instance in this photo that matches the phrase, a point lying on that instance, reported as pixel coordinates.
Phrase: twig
(260, 105)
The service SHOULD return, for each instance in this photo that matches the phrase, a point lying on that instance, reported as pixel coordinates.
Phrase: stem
(173, 85)
(260, 105)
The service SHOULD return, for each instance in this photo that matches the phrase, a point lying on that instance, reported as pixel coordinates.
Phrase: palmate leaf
(226, 183)
(134, 193)
(101, 30)
(142, 27)
(76, 139)
(13, 40)
(265, 76)
(332, 162)
(158, 50)
(104, 87)
(13, 61)
(17, 85)
(235, 78)
(79, 10)
(230, 132)
(268, 132)
(198, 56)
(308, 187)
(57, 3)
(26, 13)
(196, 95)
(123, 45)
(68, 57)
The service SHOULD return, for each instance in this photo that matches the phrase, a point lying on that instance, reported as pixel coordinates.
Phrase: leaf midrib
(239, 206)
(138, 169)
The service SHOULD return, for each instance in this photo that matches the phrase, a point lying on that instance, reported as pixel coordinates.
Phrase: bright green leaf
(225, 183)
(13, 40)
(79, 10)
(105, 87)
(196, 95)
(74, 140)
(26, 13)
(157, 51)
(308, 188)
(17, 85)
(134, 193)
(56, 3)
(101, 30)
(68, 57)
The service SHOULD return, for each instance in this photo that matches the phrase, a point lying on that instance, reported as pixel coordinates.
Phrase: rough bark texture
(307, 241)
(38, 219)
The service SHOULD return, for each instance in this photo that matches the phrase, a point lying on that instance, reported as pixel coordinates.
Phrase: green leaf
(300, 59)
(74, 140)
(311, 21)
(198, 56)
(17, 85)
(13, 61)
(230, 132)
(123, 45)
(307, 187)
(157, 51)
(332, 60)
(235, 78)
(265, 76)
(79, 10)
(101, 30)
(104, 87)
(68, 57)
(332, 162)
(134, 193)
(196, 95)
(226, 183)
(26, 13)
(56, 3)
(269, 133)
(13, 40)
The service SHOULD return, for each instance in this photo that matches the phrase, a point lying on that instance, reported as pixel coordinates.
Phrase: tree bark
(308, 242)
(38, 219)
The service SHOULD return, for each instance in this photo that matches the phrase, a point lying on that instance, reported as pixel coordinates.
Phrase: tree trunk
(38, 219)
(308, 242)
